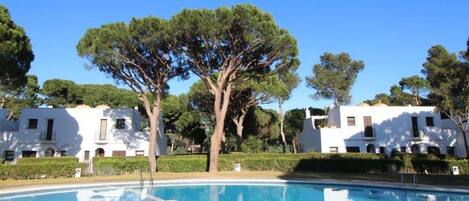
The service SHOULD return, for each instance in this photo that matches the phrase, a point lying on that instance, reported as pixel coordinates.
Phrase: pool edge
(355, 183)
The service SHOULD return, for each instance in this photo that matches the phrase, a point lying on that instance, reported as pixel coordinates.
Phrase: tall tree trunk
(281, 117)
(222, 98)
(172, 144)
(462, 129)
(294, 145)
(2, 102)
(239, 121)
(153, 113)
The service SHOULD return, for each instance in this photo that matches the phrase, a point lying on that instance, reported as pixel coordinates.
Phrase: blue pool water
(236, 192)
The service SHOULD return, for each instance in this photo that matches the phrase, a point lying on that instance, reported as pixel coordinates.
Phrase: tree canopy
(448, 78)
(26, 96)
(334, 76)
(416, 85)
(228, 46)
(16, 53)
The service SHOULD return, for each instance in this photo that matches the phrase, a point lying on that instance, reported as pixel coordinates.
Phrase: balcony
(418, 137)
(98, 139)
(46, 137)
(369, 136)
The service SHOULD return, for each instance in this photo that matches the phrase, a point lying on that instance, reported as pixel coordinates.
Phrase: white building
(82, 132)
(382, 129)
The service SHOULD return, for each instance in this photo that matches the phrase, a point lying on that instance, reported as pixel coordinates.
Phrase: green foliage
(294, 122)
(334, 76)
(66, 93)
(106, 94)
(34, 168)
(182, 120)
(263, 123)
(253, 162)
(448, 78)
(22, 97)
(61, 93)
(397, 97)
(416, 85)
(252, 145)
(15, 53)
(432, 164)
(45, 160)
(210, 37)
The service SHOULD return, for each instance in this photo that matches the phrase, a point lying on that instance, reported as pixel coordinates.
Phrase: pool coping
(34, 189)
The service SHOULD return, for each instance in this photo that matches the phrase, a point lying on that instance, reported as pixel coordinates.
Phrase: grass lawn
(435, 180)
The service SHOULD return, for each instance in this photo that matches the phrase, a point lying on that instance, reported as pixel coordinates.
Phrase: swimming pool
(231, 191)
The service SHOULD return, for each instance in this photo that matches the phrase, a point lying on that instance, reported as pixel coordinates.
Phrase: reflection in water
(235, 192)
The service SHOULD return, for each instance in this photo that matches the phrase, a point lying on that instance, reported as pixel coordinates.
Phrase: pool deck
(432, 183)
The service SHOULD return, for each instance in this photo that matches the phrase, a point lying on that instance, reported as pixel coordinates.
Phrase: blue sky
(391, 37)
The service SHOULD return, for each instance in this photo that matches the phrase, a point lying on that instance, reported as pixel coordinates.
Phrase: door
(415, 127)
(103, 129)
(368, 126)
(50, 129)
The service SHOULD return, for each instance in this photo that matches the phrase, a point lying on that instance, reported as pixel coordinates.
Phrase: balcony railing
(47, 137)
(370, 137)
(421, 133)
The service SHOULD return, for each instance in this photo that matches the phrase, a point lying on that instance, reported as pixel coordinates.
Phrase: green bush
(252, 145)
(432, 164)
(68, 159)
(250, 161)
(34, 168)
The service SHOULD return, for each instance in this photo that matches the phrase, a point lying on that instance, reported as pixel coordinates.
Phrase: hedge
(35, 168)
(430, 164)
(254, 162)
(68, 159)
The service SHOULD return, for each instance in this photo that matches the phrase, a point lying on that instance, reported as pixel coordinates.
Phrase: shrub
(33, 168)
(250, 161)
(252, 145)
(68, 159)
(432, 164)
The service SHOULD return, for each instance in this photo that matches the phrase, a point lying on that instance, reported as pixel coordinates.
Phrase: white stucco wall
(76, 130)
(392, 129)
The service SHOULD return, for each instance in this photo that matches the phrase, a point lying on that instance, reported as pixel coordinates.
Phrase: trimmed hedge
(35, 168)
(432, 164)
(68, 159)
(254, 162)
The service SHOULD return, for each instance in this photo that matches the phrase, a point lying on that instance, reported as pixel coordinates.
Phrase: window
(9, 155)
(28, 154)
(433, 150)
(139, 153)
(429, 121)
(351, 121)
(120, 124)
(118, 153)
(32, 124)
(103, 129)
(403, 149)
(63, 153)
(333, 149)
(415, 128)
(450, 151)
(368, 124)
(353, 149)
(382, 150)
(87, 155)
